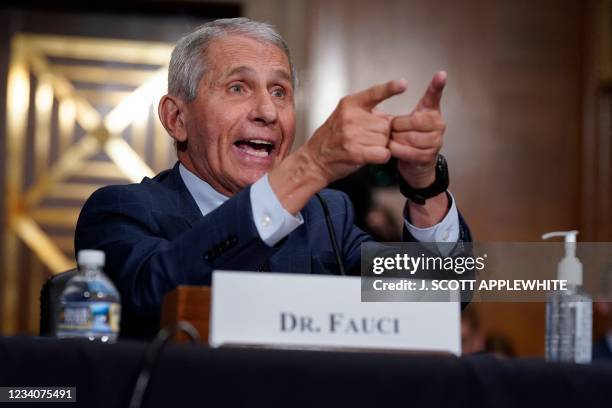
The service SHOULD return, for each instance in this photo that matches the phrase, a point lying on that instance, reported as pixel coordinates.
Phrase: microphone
(332, 235)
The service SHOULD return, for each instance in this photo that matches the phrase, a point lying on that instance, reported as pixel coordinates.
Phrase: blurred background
(528, 108)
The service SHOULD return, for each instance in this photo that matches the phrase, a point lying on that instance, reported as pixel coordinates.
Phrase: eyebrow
(283, 74)
(243, 69)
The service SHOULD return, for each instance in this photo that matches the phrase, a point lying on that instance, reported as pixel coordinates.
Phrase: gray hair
(188, 62)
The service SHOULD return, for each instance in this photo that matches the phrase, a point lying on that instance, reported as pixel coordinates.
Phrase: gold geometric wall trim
(81, 113)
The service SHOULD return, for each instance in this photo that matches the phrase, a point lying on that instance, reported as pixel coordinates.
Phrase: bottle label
(90, 317)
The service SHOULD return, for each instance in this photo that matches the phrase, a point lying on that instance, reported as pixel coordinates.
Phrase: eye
(236, 88)
(278, 92)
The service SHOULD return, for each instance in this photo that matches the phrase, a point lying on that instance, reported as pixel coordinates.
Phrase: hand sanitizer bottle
(569, 313)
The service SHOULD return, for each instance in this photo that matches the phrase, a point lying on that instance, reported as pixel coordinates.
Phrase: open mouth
(255, 147)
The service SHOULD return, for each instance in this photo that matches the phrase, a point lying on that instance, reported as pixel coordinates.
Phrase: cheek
(201, 131)
(288, 125)
(215, 135)
(223, 124)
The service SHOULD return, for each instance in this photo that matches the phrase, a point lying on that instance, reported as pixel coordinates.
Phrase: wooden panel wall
(514, 103)
(513, 107)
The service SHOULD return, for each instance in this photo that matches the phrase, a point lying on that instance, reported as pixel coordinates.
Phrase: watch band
(420, 195)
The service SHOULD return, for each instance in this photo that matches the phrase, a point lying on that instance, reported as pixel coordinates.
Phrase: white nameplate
(322, 311)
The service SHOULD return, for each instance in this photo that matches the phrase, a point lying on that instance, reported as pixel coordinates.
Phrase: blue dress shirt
(274, 223)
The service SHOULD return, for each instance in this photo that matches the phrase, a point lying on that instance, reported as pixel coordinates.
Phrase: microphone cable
(332, 235)
(152, 355)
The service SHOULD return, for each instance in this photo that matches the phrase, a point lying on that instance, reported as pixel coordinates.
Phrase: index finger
(371, 97)
(433, 95)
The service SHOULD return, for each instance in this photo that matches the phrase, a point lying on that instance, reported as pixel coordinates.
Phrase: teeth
(254, 152)
(259, 141)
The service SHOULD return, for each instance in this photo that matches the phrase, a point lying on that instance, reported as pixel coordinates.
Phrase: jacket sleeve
(352, 236)
(122, 223)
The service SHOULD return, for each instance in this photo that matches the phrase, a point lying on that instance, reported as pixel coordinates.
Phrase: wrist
(426, 186)
(310, 158)
(430, 214)
(296, 180)
(307, 168)
(417, 177)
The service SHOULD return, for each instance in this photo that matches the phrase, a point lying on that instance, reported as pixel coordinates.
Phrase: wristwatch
(420, 195)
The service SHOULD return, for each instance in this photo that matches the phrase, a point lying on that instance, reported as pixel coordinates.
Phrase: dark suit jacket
(155, 238)
(601, 350)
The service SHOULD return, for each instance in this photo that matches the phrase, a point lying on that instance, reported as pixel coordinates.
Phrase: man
(237, 199)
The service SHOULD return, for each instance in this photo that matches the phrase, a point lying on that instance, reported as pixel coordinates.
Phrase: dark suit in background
(601, 350)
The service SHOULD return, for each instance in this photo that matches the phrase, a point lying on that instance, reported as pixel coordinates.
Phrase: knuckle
(393, 148)
(345, 117)
(417, 122)
(399, 123)
(399, 137)
(383, 125)
(381, 132)
(385, 156)
(439, 141)
(348, 146)
(409, 138)
(344, 102)
(400, 151)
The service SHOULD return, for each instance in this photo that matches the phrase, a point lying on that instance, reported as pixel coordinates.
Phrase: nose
(264, 111)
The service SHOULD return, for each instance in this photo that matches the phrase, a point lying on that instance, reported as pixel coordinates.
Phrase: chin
(252, 177)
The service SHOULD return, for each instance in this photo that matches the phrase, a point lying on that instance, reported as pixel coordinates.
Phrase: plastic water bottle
(569, 313)
(90, 305)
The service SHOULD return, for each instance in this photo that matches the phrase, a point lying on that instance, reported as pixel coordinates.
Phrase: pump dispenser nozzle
(570, 267)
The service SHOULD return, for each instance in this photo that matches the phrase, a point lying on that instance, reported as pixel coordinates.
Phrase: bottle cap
(91, 257)
(570, 267)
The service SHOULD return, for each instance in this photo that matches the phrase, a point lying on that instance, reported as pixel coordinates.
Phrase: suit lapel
(291, 258)
(185, 202)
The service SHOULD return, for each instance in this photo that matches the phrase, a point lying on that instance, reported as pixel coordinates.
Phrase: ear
(171, 111)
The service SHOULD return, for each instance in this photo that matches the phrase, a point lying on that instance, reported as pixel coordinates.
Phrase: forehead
(228, 52)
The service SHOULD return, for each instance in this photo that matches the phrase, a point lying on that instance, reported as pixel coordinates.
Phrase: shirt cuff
(272, 221)
(446, 230)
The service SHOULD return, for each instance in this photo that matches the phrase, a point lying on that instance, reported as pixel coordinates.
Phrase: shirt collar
(206, 197)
